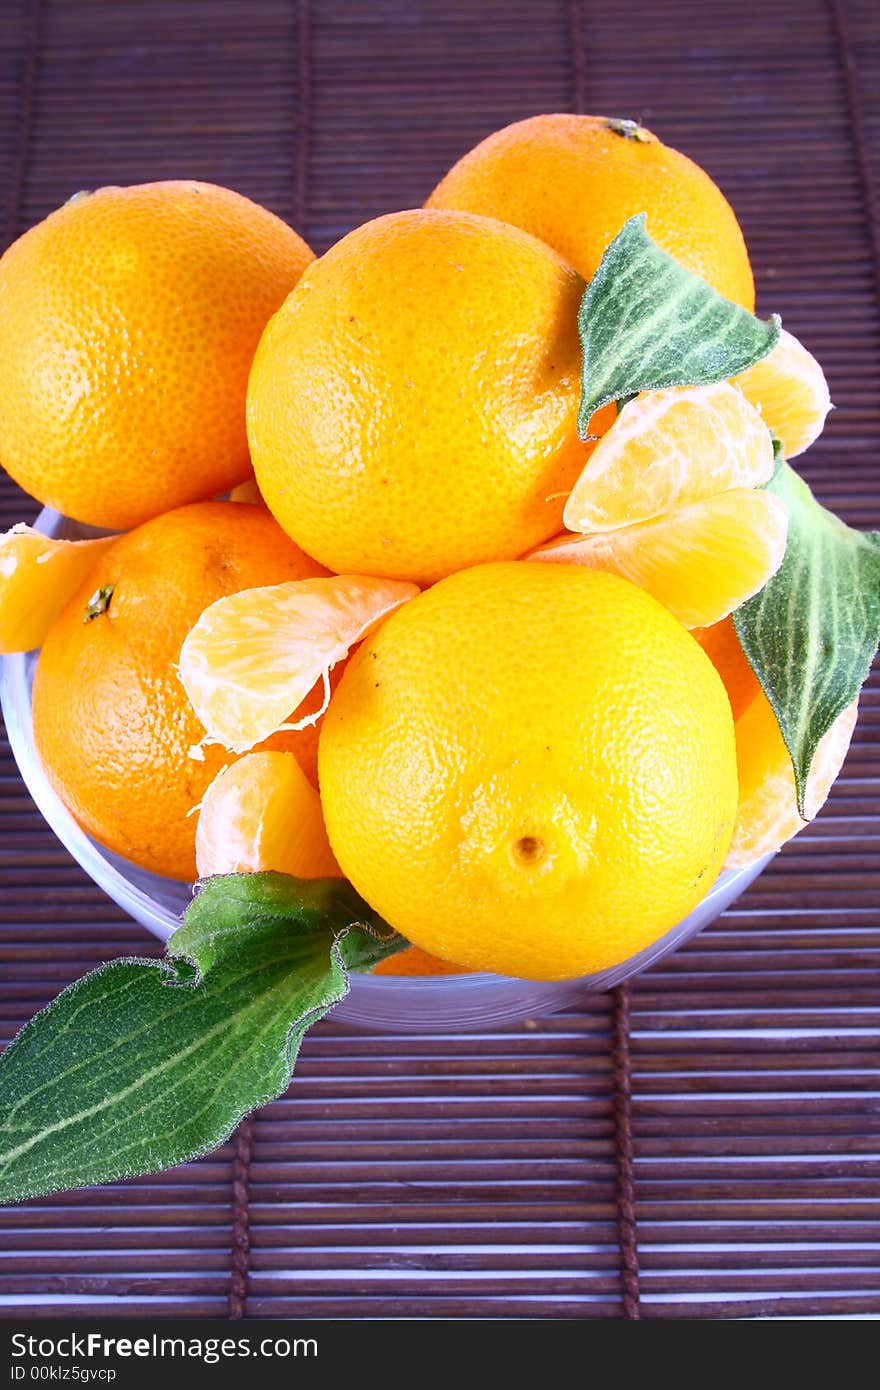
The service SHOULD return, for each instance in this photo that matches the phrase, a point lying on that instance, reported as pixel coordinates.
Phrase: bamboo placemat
(705, 1144)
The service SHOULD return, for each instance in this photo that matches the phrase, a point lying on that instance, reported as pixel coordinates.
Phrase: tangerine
(112, 723)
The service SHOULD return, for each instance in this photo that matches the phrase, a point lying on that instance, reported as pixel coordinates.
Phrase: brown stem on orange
(98, 603)
(629, 130)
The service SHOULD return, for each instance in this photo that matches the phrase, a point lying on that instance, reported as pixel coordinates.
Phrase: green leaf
(145, 1064)
(232, 908)
(646, 323)
(812, 632)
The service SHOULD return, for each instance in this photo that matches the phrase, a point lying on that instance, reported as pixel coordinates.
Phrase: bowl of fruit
(429, 632)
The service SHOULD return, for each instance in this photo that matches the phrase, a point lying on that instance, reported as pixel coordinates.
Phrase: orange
(254, 656)
(767, 815)
(574, 180)
(414, 961)
(701, 561)
(112, 723)
(37, 577)
(128, 322)
(789, 388)
(412, 407)
(530, 770)
(262, 812)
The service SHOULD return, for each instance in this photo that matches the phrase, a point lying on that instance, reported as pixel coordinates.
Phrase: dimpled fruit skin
(573, 181)
(412, 406)
(112, 723)
(128, 322)
(530, 770)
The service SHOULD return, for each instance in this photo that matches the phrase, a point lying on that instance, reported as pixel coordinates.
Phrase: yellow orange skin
(128, 322)
(412, 407)
(530, 769)
(573, 181)
(112, 723)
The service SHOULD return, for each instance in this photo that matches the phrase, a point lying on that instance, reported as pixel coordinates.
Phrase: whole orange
(574, 180)
(530, 769)
(112, 723)
(412, 407)
(128, 322)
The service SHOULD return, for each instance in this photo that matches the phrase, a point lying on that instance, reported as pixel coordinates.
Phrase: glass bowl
(447, 1003)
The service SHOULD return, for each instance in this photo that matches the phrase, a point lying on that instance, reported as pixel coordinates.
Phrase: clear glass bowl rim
(387, 1002)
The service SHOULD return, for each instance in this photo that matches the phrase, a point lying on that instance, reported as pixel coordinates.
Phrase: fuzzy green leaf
(812, 632)
(231, 909)
(646, 323)
(145, 1064)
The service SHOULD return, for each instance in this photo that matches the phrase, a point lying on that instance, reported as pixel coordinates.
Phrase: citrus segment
(721, 645)
(255, 656)
(701, 562)
(37, 577)
(789, 388)
(667, 449)
(260, 813)
(530, 769)
(767, 815)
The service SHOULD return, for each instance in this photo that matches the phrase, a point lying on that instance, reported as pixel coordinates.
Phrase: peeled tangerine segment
(261, 813)
(767, 814)
(666, 450)
(37, 577)
(253, 656)
(789, 388)
(701, 562)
